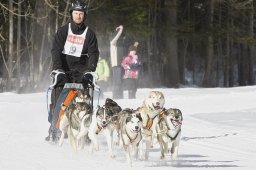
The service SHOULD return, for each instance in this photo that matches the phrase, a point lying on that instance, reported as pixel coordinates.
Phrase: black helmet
(78, 5)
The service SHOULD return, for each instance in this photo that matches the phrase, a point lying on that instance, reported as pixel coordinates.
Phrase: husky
(150, 109)
(76, 120)
(104, 120)
(169, 132)
(129, 132)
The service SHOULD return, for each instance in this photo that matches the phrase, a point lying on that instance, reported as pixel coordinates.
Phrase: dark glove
(135, 66)
(87, 80)
(56, 72)
(59, 78)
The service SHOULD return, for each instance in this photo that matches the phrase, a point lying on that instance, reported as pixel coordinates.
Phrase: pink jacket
(131, 67)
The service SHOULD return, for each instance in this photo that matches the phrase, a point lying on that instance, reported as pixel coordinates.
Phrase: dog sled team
(136, 130)
(72, 113)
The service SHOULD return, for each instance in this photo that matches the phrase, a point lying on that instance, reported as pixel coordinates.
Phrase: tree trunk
(226, 65)
(18, 47)
(232, 57)
(207, 81)
(171, 67)
(10, 57)
(251, 47)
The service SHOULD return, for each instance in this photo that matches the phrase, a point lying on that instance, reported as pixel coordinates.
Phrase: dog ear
(98, 109)
(115, 109)
(109, 111)
(180, 113)
(168, 111)
(110, 102)
(128, 110)
(139, 116)
(112, 105)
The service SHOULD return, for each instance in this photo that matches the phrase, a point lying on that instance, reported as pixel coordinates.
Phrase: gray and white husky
(129, 132)
(76, 120)
(104, 120)
(169, 132)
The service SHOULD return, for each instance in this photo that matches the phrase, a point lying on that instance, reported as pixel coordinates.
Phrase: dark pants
(117, 82)
(131, 85)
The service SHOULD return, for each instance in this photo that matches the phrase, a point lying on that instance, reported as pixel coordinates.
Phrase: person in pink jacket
(131, 65)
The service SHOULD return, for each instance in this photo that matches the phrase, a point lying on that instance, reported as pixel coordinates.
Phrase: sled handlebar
(94, 77)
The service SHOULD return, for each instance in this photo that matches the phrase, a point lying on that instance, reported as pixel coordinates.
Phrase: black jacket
(70, 63)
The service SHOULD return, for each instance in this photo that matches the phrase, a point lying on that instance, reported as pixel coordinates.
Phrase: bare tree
(172, 71)
(207, 80)
(10, 54)
(18, 46)
(251, 47)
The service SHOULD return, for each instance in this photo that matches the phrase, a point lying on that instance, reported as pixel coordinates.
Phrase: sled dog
(129, 132)
(104, 120)
(169, 132)
(76, 120)
(150, 109)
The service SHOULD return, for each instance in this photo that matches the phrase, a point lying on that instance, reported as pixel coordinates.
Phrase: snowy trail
(218, 132)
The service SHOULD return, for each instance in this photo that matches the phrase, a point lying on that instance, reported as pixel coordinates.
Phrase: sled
(67, 95)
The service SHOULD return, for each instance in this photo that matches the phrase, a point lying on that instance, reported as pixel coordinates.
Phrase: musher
(74, 54)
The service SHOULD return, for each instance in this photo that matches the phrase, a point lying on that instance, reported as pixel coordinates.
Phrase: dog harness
(99, 129)
(130, 139)
(149, 122)
(65, 104)
(173, 138)
(163, 112)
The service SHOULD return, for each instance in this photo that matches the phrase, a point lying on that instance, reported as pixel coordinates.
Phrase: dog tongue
(178, 122)
(157, 107)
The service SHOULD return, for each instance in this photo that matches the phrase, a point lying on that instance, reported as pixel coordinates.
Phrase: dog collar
(99, 129)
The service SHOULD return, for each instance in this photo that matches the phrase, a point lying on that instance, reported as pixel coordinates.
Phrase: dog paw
(96, 147)
(174, 156)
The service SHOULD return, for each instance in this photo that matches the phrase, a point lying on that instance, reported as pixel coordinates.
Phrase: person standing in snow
(131, 65)
(115, 64)
(102, 72)
(74, 54)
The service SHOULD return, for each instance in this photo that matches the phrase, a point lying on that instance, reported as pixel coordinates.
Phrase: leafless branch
(242, 5)
(5, 64)
(12, 11)
(2, 37)
(99, 4)
(53, 7)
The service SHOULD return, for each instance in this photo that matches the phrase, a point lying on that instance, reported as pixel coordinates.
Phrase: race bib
(74, 43)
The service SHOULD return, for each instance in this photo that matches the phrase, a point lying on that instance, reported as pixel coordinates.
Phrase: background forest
(202, 43)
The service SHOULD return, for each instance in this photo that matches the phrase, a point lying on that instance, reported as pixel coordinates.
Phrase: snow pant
(131, 85)
(117, 82)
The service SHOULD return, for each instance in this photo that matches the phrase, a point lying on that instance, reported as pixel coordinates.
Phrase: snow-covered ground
(218, 132)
